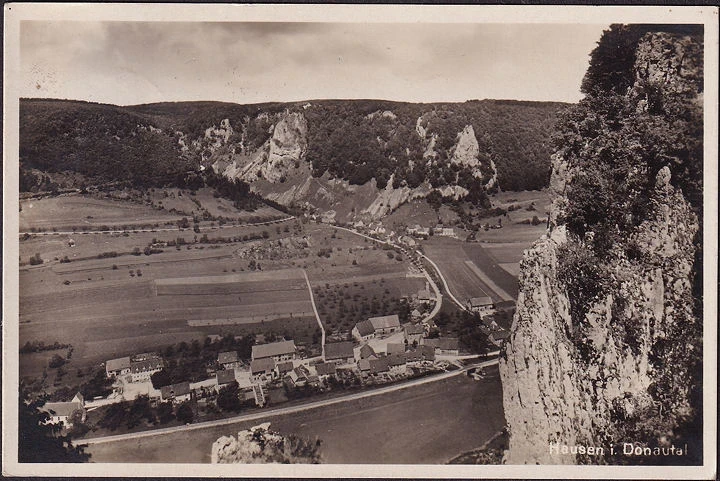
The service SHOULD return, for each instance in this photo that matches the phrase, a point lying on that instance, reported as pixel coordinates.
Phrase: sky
(127, 63)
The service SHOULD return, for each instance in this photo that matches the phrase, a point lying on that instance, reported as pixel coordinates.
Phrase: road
(164, 229)
(317, 315)
(282, 411)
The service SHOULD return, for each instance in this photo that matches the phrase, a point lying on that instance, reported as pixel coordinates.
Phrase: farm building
(262, 369)
(364, 365)
(325, 369)
(141, 371)
(385, 324)
(363, 330)
(396, 360)
(379, 365)
(339, 351)
(418, 231)
(427, 353)
(425, 296)
(229, 359)
(395, 348)
(298, 376)
(480, 304)
(283, 368)
(278, 351)
(413, 333)
(176, 393)
(366, 351)
(225, 377)
(62, 412)
(117, 367)
(499, 337)
(445, 345)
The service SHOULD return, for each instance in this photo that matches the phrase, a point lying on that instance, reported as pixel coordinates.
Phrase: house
(499, 337)
(385, 324)
(325, 369)
(224, 377)
(396, 360)
(425, 296)
(437, 230)
(363, 331)
(364, 365)
(413, 333)
(379, 365)
(283, 368)
(413, 356)
(142, 370)
(62, 412)
(427, 352)
(229, 359)
(278, 351)
(176, 393)
(341, 352)
(366, 351)
(262, 369)
(395, 348)
(445, 345)
(117, 367)
(298, 376)
(480, 304)
(447, 232)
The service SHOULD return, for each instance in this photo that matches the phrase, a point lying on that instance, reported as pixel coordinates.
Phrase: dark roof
(448, 343)
(411, 329)
(284, 367)
(396, 359)
(225, 376)
(174, 390)
(366, 351)
(227, 357)
(428, 352)
(146, 365)
(281, 348)
(262, 365)
(339, 350)
(379, 365)
(326, 368)
(395, 348)
(411, 356)
(365, 328)
(431, 342)
(364, 365)
(500, 335)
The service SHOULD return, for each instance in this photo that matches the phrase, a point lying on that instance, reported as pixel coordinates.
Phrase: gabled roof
(262, 365)
(61, 408)
(117, 364)
(428, 352)
(448, 343)
(395, 348)
(500, 335)
(431, 342)
(366, 351)
(146, 365)
(425, 295)
(175, 390)
(364, 365)
(411, 356)
(227, 357)
(396, 359)
(379, 365)
(326, 368)
(365, 328)
(225, 376)
(281, 348)
(413, 329)
(480, 301)
(339, 350)
(385, 322)
(284, 367)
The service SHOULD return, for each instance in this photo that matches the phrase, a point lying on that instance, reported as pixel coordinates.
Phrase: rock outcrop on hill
(606, 344)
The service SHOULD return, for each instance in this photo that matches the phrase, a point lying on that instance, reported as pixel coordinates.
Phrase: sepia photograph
(364, 240)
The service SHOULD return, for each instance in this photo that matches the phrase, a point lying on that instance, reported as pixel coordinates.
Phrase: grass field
(426, 424)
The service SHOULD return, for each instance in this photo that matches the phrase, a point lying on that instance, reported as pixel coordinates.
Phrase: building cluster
(424, 232)
(66, 412)
(138, 368)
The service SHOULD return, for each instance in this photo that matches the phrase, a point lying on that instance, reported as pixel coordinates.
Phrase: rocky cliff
(607, 339)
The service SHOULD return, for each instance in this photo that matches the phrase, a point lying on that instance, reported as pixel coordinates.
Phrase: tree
(185, 413)
(229, 397)
(39, 442)
(36, 260)
(56, 361)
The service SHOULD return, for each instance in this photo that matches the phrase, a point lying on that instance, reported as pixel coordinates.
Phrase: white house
(278, 351)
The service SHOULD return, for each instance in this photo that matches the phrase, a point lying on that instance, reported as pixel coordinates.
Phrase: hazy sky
(139, 62)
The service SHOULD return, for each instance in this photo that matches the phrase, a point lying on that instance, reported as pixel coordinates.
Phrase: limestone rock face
(466, 152)
(287, 145)
(553, 393)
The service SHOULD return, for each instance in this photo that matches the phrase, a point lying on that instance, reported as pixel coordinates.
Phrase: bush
(36, 260)
(56, 361)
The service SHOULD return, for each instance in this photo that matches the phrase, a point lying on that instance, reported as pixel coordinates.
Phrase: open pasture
(477, 254)
(87, 212)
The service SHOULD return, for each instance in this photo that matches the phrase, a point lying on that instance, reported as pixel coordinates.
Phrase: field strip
(489, 282)
(273, 275)
(442, 278)
(317, 315)
(247, 320)
(282, 411)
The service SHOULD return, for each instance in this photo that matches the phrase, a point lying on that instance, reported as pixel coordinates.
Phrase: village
(378, 351)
